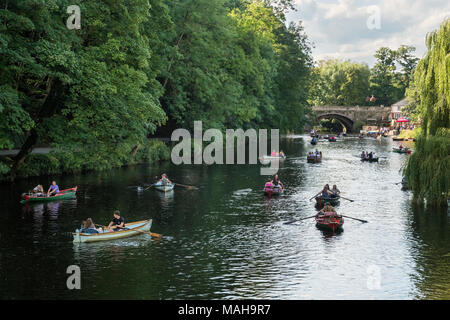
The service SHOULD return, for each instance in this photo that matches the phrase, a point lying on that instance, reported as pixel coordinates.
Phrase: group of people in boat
(116, 224)
(315, 154)
(277, 154)
(368, 156)
(38, 191)
(327, 193)
(275, 182)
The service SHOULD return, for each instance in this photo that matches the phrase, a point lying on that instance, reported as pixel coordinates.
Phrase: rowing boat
(329, 221)
(273, 190)
(314, 159)
(164, 187)
(269, 159)
(322, 200)
(370, 160)
(63, 194)
(402, 150)
(131, 229)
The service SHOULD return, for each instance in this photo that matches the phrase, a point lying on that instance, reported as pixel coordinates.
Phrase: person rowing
(117, 222)
(53, 190)
(336, 192)
(326, 192)
(277, 182)
(164, 180)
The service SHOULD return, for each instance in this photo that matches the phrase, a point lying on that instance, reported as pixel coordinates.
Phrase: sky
(354, 30)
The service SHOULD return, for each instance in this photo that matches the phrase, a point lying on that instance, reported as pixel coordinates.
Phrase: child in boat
(53, 190)
(268, 185)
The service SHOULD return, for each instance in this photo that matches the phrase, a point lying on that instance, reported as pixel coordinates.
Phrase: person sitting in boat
(327, 208)
(53, 190)
(164, 180)
(117, 223)
(89, 227)
(370, 156)
(277, 182)
(274, 153)
(363, 155)
(336, 192)
(282, 153)
(38, 191)
(326, 192)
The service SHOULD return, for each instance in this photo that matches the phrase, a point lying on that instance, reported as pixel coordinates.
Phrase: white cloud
(339, 29)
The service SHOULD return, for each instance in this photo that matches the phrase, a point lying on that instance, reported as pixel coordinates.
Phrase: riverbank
(57, 162)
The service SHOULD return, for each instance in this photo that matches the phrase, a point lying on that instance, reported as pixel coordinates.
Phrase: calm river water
(227, 240)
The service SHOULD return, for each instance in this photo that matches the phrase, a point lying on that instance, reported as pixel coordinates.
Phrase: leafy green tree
(341, 83)
(428, 168)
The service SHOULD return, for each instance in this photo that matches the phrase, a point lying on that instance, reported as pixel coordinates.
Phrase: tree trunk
(48, 109)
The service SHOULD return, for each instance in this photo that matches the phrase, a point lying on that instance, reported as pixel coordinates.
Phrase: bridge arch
(343, 120)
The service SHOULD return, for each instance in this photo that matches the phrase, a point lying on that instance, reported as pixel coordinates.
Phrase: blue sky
(338, 28)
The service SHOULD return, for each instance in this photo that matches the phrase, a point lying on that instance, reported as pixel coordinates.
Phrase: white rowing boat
(268, 159)
(131, 229)
(164, 187)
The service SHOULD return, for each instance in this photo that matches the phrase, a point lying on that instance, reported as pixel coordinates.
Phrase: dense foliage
(96, 94)
(339, 82)
(428, 168)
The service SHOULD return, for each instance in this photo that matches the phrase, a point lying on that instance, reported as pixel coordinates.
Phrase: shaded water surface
(227, 240)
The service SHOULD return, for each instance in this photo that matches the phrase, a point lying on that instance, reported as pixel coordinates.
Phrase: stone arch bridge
(348, 115)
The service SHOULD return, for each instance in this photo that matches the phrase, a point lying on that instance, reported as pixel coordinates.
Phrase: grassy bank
(65, 162)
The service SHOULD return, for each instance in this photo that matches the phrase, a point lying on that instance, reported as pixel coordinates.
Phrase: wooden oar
(183, 185)
(156, 235)
(363, 221)
(347, 198)
(149, 186)
(295, 220)
(314, 196)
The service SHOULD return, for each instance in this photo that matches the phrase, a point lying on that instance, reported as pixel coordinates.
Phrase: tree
(428, 168)
(341, 83)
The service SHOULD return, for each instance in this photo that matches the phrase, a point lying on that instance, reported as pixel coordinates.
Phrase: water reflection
(227, 240)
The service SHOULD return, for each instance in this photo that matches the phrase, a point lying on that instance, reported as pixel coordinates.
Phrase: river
(226, 240)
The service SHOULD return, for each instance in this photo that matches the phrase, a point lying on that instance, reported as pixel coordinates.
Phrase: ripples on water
(226, 240)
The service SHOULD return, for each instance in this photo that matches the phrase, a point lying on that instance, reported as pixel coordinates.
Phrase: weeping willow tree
(428, 168)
